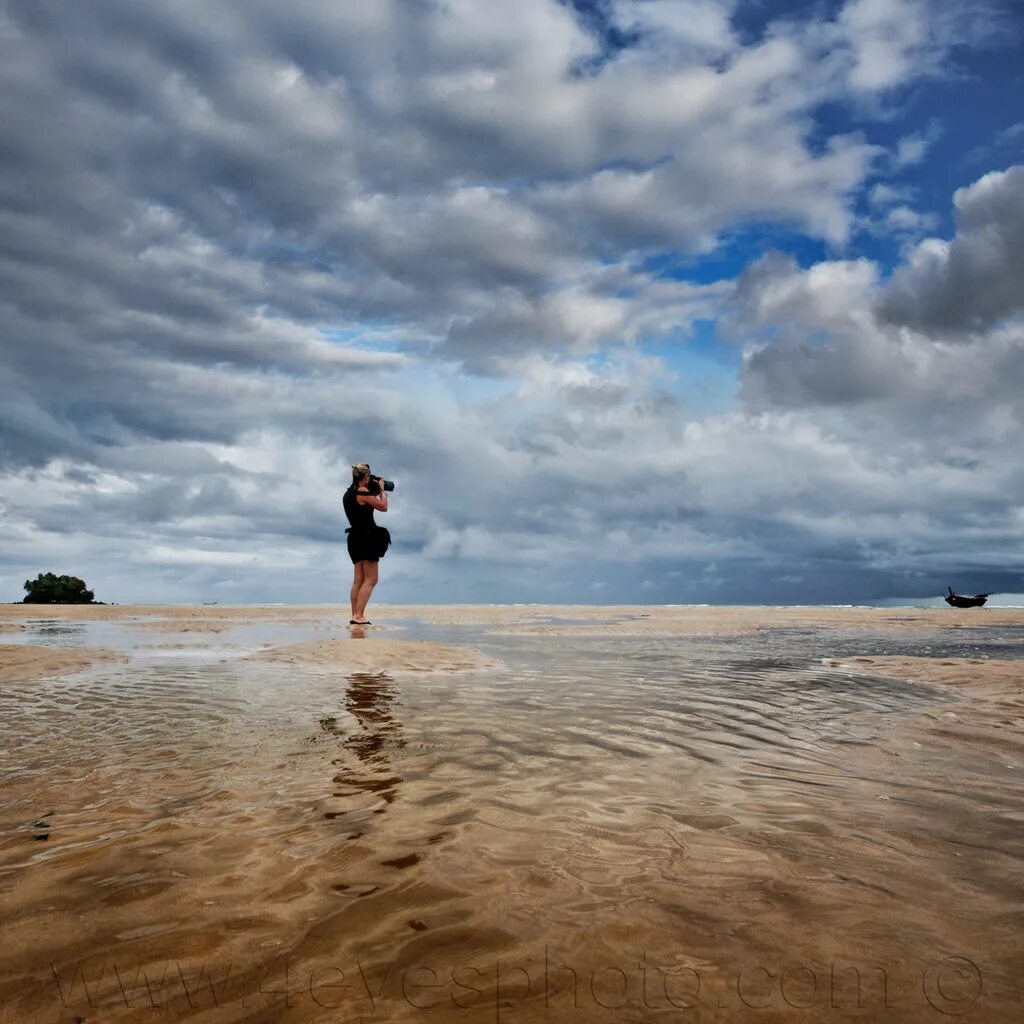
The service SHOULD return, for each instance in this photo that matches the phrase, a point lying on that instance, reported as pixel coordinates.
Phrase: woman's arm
(377, 501)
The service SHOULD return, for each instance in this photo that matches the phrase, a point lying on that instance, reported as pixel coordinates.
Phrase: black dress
(367, 542)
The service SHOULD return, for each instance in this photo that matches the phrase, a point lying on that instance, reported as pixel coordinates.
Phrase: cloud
(885, 36)
(891, 41)
(827, 296)
(836, 333)
(971, 282)
(913, 148)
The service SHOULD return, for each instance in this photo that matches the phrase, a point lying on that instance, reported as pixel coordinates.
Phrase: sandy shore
(996, 673)
(625, 620)
(949, 672)
(20, 662)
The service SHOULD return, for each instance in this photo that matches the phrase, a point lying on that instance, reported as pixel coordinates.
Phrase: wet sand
(23, 662)
(997, 674)
(511, 814)
(352, 655)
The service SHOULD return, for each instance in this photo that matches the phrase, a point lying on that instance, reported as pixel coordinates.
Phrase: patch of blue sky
(753, 19)
(975, 107)
(702, 372)
(597, 17)
(964, 114)
(736, 250)
(377, 337)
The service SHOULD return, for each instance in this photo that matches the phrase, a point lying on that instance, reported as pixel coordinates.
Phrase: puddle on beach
(603, 829)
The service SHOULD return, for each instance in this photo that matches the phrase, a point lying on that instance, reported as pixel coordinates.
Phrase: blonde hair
(359, 470)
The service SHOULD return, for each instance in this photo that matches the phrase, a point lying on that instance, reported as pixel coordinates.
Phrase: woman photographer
(367, 542)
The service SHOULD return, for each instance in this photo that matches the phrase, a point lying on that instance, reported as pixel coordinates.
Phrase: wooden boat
(964, 600)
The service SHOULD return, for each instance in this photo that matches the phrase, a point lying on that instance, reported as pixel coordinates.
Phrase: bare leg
(365, 590)
(357, 582)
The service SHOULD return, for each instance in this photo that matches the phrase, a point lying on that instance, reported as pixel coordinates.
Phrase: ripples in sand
(601, 827)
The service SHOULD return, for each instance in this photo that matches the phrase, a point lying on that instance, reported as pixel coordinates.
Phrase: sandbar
(21, 662)
(1005, 674)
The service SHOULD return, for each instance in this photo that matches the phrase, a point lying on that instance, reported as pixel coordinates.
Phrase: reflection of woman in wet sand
(366, 781)
(370, 700)
(367, 542)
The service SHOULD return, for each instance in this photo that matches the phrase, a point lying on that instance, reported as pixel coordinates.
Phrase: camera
(389, 485)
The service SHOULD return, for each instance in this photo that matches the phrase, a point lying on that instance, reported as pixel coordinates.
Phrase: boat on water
(965, 600)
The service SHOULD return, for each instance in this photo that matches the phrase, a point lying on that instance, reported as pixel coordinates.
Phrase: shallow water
(605, 828)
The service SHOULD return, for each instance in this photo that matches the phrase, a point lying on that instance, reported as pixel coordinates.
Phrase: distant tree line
(48, 588)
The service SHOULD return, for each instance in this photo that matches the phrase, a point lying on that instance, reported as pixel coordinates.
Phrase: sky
(658, 301)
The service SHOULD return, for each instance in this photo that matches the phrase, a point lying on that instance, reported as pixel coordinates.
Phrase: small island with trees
(48, 588)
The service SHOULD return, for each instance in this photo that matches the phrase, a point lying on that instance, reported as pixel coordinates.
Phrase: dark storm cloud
(811, 337)
(976, 280)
